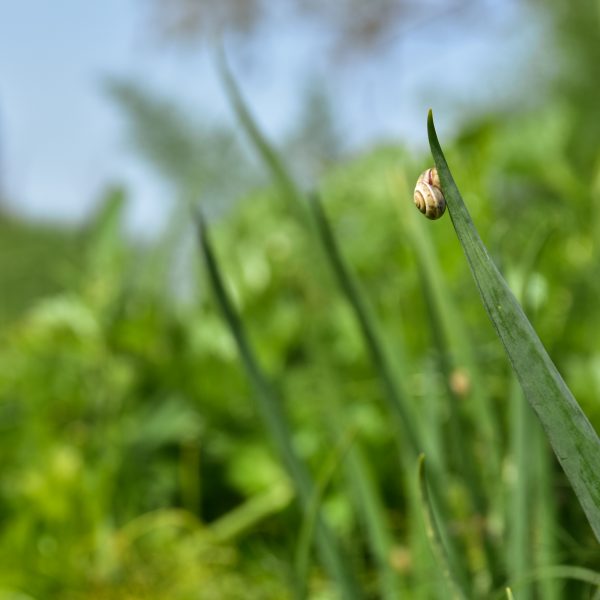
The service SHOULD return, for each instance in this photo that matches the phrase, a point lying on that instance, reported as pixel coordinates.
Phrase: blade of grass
(519, 548)
(546, 517)
(427, 580)
(275, 420)
(267, 153)
(397, 400)
(559, 572)
(444, 559)
(541, 540)
(366, 492)
(372, 511)
(289, 189)
(455, 354)
(309, 522)
(244, 517)
(525, 500)
(398, 405)
(453, 335)
(571, 435)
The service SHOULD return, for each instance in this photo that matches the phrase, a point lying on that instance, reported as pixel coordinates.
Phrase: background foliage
(134, 461)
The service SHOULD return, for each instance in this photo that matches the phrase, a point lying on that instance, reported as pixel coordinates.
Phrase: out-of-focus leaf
(276, 422)
(445, 560)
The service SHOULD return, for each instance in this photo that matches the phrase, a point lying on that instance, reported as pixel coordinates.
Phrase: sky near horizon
(62, 139)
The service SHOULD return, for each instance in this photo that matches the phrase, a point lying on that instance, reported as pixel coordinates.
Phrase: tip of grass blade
(448, 186)
(431, 128)
(202, 230)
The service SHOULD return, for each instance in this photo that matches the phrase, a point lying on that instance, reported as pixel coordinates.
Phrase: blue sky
(62, 139)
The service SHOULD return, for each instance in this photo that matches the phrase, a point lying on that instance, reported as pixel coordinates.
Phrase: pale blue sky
(62, 139)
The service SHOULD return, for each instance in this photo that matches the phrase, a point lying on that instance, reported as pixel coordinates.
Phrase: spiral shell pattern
(428, 194)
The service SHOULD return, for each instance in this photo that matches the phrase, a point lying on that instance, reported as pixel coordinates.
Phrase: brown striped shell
(428, 194)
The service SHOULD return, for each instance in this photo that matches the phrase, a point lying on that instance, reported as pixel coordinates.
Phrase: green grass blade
(244, 517)
(571, 435)
(519, 521)
(427, 581)
(366, 494)
(309, 522)
(397, 400)
(453, 335)
(546, 518)
(267, 153)
(533, 517)
(398, 403)
(368, 497)
(372, 512)
(276, 421)
(435, 539)
(560, 572)
(529, 497)
(284, 181)
(450, 337)
(289, 189)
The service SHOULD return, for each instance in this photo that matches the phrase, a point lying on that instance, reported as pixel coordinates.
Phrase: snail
(428, 194)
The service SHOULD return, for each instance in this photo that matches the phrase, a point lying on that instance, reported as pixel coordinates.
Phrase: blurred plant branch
(354, 27)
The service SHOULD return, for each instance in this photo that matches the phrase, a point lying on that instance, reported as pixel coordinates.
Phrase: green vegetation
(249, 419)
(134, 459)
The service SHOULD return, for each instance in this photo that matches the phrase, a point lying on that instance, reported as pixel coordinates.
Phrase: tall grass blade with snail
(571, 435)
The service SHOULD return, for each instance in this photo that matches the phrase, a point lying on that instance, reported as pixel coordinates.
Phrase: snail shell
(428, 194)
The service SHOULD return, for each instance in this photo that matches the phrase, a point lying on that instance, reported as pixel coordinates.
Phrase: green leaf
(571, 435)
(275, 420)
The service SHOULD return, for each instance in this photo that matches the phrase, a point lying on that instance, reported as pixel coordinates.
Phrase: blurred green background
(133, 459)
